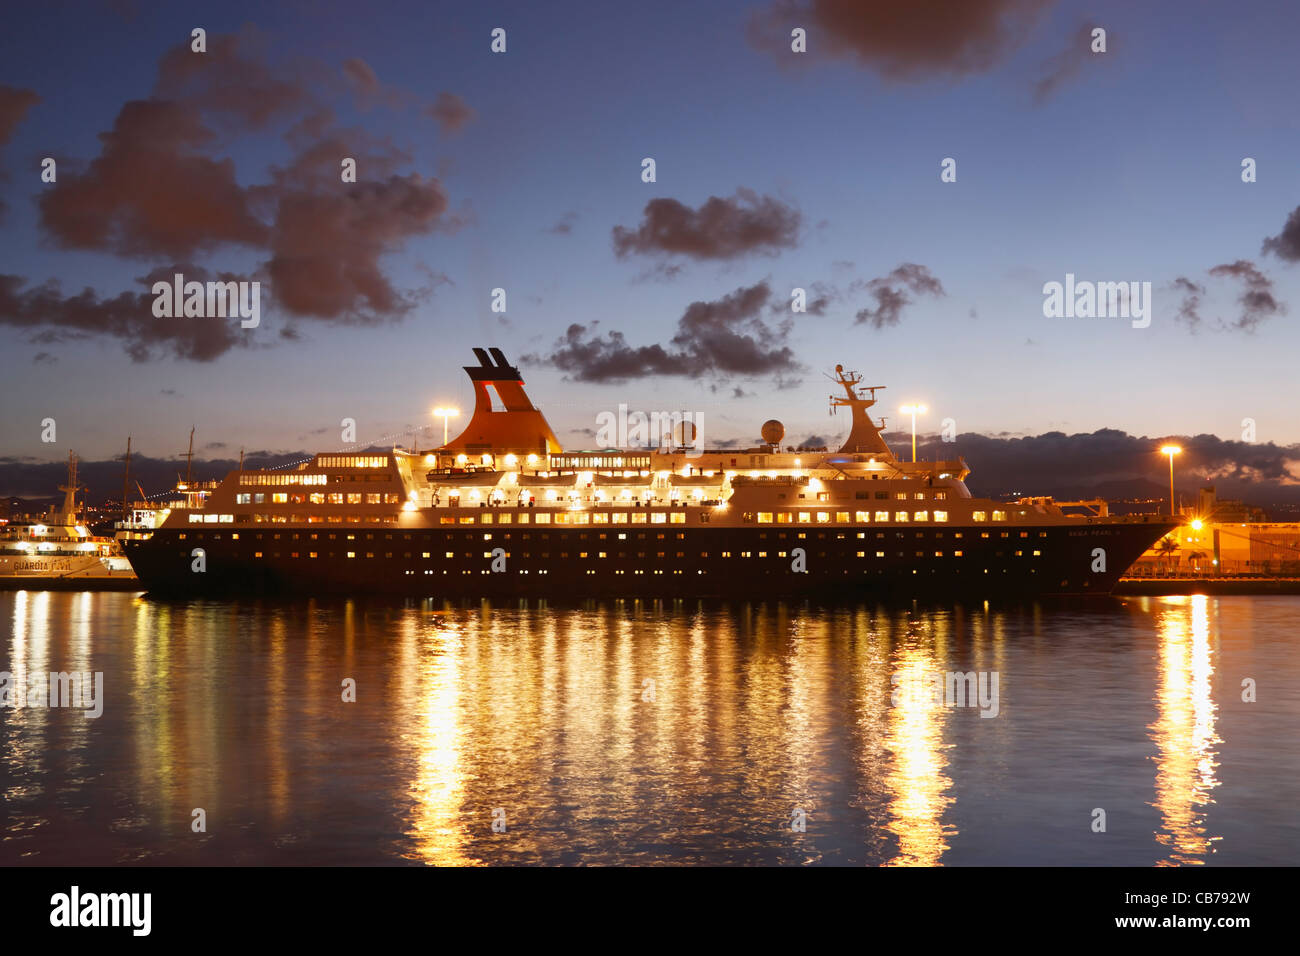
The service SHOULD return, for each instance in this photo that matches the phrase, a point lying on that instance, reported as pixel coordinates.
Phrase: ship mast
(864, 435)
(189, 459)
(70, 489)
(126, 477)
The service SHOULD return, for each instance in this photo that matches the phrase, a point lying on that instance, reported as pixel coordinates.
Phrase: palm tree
(1195, 557)
(1165, 549)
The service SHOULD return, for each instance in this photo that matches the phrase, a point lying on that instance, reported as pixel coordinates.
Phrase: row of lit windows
(352, 461)
(320, 498)
(202, 518)
(841, 517)
(622, 536)
(569, 517)
(256, 479)
(599, 461)
(450, 555)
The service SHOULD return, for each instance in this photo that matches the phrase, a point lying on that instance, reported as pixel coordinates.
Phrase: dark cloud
(151, 191)
(1257, 301)
(360, 75)
(818, 299)
(1065, 66)
(451, 111)
(819, 305)
(722, 337)
(14, 104)
(232, 80)
(44, 358)
(155, 190)
(1286, 245)
(327, 246)
(362, 80)
(720, 229)
(565, 225)
(890, 293)
(1189, 310)
(911, 41)
(1113, 464)
(660, 272)
(51, 317)
(328, 237)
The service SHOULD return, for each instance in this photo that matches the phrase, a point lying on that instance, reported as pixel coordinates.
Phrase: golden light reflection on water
(916, 782)
(1184, 730)
(431, 656)
(629, 732)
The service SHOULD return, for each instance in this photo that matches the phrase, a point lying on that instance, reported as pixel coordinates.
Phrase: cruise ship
(502, 510)
(59, 552)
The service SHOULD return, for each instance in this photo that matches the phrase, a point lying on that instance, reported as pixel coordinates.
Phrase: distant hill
(1107, 464)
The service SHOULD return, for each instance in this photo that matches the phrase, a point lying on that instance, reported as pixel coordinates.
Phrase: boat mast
(189, 459)
(126, 477)
(70, 489)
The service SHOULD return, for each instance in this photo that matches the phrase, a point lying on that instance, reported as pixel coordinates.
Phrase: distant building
(1225, 536)
(1211, 508)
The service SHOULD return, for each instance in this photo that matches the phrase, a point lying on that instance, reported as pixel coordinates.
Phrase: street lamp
(445, 414)
(913, 409)
(1171, 450)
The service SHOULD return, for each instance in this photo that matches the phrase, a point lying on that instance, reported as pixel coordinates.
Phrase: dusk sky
(523, 170)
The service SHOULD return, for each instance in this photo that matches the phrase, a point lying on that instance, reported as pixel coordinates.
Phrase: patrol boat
(58, 551)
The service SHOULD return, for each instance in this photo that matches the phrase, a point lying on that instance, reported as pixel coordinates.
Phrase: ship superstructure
(502, 509)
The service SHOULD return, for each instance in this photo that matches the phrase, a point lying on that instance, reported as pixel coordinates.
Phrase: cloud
(565, 226)
(890, 293)
(151, 191)
(232, 80)
(43, 358)
(1257, 301)
(369, 91)
(1189, 309)
(53, 317)
(1113, 464)
(722, 337)
(327, 245)
(1286, 245)
(720, 229)
(14, 104)
(1065, 66)
(360, 75)
(451, 112)
(818, 299)
(913, 41)
(155, 190)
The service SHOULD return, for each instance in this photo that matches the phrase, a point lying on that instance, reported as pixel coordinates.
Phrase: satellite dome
(773, 431)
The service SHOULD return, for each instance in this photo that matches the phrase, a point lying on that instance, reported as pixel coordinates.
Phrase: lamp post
(1171, 450)
(913, 409)
(445, 414)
